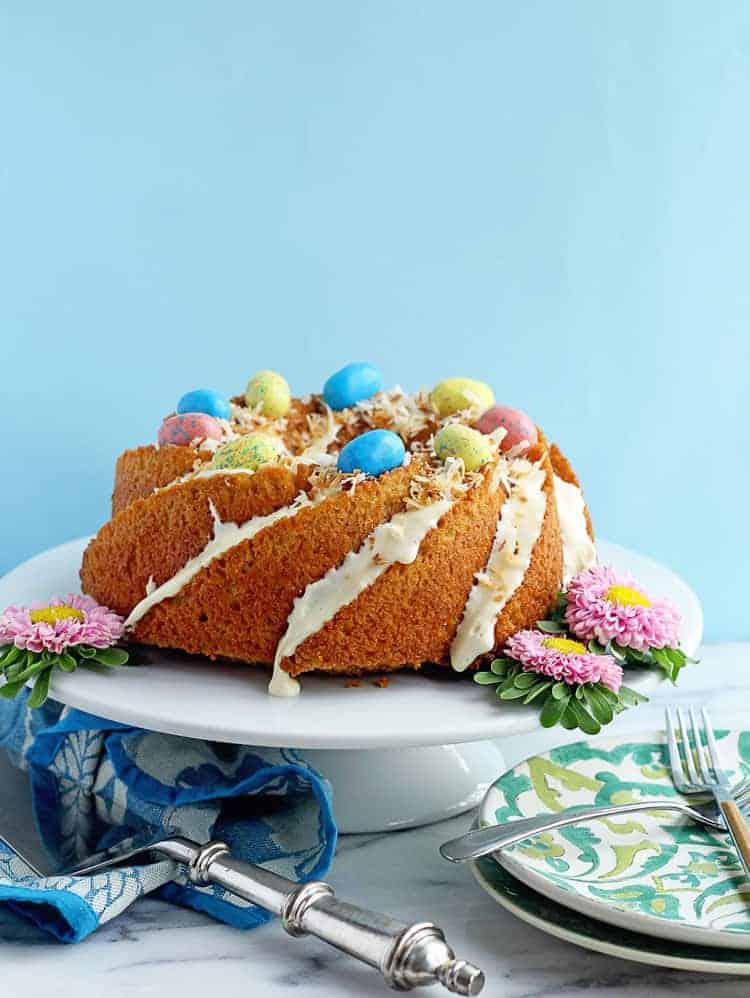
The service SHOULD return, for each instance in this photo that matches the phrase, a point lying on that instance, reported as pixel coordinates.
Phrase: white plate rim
(411, 712)
(599, 911)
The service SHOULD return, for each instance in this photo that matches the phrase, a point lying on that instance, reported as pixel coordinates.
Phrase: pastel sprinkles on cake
(356, 530)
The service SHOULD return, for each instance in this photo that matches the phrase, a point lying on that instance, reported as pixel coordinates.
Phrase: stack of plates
(652, 887)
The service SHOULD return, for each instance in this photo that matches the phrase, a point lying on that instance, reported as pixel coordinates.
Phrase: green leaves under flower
(587, 706)
(669, 660)
(17, 667)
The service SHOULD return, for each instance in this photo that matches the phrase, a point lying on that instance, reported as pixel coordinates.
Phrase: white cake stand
(422, 749)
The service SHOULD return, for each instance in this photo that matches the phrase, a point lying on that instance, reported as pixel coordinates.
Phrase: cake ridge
(227, 547)
(226, 535)
(507, 564)
(395, 541)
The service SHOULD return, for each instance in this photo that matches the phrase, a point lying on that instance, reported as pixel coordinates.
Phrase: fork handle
(483, 841)
(739, 831)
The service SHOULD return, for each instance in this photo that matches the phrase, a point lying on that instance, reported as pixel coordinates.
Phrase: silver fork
(486, 840)
(698, 769)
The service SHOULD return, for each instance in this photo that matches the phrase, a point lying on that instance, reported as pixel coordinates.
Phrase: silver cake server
(408, 956)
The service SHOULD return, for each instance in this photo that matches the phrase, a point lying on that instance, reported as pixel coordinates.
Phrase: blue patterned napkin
(95, 782)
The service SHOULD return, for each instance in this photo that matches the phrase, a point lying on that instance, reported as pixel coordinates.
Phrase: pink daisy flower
(562, 659)
(59, 623)
(608, 606)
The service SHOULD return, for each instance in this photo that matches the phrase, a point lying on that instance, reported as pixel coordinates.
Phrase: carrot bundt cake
(358, 530)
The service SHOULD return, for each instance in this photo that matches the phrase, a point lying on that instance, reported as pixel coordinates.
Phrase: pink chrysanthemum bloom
(59, 623)
(609, 606)
(562, 659)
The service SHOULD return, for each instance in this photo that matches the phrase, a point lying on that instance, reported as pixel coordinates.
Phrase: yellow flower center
(565, 645)
(51, 614)
(626, 596)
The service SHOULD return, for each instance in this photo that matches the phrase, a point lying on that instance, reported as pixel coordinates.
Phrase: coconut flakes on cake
(247, 420)
(448, 480)
(397, 410)
(326, 481)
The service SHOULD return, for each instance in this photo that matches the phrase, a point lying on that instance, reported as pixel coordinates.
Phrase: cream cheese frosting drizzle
(518, 529)
(396, 541)
(579, 551)
(226, 535)
(212, 473)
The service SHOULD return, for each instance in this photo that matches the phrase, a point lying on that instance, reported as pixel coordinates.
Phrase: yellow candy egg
(249, 451)
(454, 394)
(456, 440)
(270, 391)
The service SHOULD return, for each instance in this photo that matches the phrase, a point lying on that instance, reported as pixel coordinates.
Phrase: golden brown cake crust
(410, 614)
(238, 605)
(140, 471)
(237, 608)
(154, 537)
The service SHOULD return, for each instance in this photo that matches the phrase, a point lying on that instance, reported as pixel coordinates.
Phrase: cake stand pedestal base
(379, 790)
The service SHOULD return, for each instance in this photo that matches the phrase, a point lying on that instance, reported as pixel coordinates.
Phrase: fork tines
(694, 754)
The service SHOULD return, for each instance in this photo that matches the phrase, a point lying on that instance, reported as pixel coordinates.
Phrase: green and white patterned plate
(653, 873)
(554, 919)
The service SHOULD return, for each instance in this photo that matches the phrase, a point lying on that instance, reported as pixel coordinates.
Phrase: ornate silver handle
(408, 956)
(482, 841)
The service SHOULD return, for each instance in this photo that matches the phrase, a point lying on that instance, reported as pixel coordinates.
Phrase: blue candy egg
(352, 384)
(373, 452)
(204, 400)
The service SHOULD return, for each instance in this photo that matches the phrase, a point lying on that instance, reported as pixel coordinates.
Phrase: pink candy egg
(519, 427)
(181, 430)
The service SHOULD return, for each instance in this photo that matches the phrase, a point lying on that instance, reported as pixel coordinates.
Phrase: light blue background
(553, 196)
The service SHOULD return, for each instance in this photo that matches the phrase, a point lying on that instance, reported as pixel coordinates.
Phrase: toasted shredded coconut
(440, 480)
(206, 443)
(327, 481)
(313, 443)
(322, 430)
(245, 420)
(397, 410)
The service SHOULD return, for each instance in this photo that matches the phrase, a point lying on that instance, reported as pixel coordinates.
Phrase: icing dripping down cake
(358, 530)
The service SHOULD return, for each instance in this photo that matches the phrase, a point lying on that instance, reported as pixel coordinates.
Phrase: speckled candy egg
(471, 446)
(518, 426)
(352, 384)
(270, 391)
(455, 394)
(373, 452)
(249, 451)
(204, 400)
(186, 427)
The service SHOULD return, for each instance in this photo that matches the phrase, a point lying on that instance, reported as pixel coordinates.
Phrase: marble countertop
(156, 949)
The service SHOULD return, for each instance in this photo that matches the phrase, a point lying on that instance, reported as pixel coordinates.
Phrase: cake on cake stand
(422, 749)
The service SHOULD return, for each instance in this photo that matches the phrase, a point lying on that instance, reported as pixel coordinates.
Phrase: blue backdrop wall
(552, 196)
